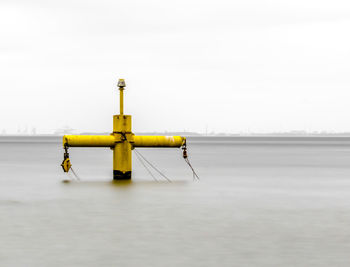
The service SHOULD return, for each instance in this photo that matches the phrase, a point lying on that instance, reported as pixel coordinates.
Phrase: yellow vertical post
(123, 136)
(121, 85)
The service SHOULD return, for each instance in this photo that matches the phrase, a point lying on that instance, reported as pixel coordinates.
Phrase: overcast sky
(228, 66)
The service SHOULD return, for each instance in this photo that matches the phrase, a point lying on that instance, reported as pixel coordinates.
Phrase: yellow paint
(115, 138)
(89, 140)
(121, 95)
(122, 141)
(122, 150)
(121, 123)
(121, 85)
(66, 165)
(158, 141)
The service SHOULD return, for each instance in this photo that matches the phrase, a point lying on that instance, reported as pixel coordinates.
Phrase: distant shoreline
(192, 134)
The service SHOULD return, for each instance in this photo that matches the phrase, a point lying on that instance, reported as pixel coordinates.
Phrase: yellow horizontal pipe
(89, 140)
(158, 141)
(110, 141)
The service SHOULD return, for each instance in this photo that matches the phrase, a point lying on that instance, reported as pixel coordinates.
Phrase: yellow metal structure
(122, 141)
(158, 141)
(134, 140)
(66, 165)
(89, 140)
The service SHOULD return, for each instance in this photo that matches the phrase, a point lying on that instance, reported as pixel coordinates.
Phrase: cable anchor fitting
(184, 151)
(66, 165)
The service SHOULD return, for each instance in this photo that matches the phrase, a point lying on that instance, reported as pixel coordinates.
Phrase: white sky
(230, 66)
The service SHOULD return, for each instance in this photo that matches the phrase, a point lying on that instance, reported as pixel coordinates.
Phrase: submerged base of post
(118, 175)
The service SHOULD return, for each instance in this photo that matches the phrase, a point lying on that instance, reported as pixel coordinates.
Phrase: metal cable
(75, 174)
(144, 165)
(155, 168)
(195, 176)
(185, 156)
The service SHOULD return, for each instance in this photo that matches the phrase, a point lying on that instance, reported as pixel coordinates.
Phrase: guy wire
(153, 166)
(144, 165)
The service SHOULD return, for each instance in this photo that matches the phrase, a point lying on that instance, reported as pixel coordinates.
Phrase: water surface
(260, 202)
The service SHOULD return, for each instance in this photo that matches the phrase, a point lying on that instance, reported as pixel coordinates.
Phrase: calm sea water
(260, 202)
